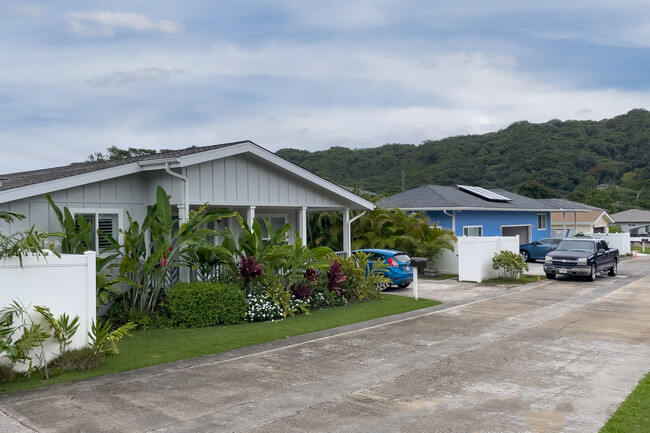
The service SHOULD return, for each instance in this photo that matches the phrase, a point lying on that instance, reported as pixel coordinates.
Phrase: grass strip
(523, 279)
(159, 346)
(633, 415)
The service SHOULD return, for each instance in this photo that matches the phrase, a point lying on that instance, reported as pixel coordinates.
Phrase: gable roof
(632, 215)
(438, 198)
(26, 178)
(15, 186)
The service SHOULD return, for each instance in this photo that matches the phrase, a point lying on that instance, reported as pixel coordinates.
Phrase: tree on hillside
(533, 159)
(113, 153)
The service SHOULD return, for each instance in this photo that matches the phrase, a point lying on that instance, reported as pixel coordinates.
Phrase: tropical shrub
(76, 236)
(82, 359)
(201, 304)
(18, 342)
(105, 341)
(6, 373)
(205, 259)
(404, 231)
(63, 328)
(20, 244)
(305, 289)
(249, 270)
(335, 277)
(281, 296)
(361, 280)
(146, 267)
(508, 264)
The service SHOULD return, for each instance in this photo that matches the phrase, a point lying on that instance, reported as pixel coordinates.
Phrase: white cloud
(143, 75)
(102, 23)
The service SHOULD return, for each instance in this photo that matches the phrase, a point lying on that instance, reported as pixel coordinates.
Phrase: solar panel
(483, 193)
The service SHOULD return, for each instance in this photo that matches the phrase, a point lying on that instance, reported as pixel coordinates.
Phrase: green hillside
(553, 159)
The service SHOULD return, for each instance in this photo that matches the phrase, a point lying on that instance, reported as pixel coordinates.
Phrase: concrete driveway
(550, 356)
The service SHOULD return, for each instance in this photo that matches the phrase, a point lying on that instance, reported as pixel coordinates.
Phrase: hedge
(200, 304)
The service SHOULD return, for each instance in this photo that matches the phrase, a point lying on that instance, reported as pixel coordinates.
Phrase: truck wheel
(550, 276)
(403, 285)
(525, 255)
(614, 269)
(592, 274)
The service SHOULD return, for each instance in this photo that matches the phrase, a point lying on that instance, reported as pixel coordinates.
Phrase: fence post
(91, 290)
(415, 283)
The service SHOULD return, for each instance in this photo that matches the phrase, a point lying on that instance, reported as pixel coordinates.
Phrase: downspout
(348, 251)
(453, 220)
(186, 193)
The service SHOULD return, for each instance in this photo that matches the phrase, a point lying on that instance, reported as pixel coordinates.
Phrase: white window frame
(480, 231)
(261, 217)
(539, 226)
(105, 211)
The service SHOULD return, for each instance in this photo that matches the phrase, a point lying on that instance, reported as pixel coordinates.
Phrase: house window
(473, 231)
(541, 221)
(277, 221)
(106, 220)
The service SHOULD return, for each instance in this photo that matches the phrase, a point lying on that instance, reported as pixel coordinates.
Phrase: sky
(77, 77)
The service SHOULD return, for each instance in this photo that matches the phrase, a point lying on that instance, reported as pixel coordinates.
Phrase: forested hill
(553, 159)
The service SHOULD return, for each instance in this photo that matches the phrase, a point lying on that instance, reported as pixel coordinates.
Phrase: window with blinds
(106, 222)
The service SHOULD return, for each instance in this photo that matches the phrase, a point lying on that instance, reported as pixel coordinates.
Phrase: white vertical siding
(126, 193)
(241, 181)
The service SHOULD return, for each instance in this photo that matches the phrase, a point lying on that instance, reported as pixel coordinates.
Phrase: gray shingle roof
(436, 197)
(631, 215)
(568, 205)
(25, 178)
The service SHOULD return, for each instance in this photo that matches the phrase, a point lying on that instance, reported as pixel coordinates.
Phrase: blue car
(537, 250)
(398, 271)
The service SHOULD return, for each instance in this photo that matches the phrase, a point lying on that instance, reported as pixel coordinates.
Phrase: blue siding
(491, 221)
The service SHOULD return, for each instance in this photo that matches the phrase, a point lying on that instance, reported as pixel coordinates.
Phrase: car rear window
(402, 258)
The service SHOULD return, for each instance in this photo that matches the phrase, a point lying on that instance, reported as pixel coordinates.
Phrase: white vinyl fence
(475, 255)
(616, 240)
(447, 263)
(65, 285)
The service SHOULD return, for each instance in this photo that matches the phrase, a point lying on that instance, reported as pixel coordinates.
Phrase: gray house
(239, 176)
(633, 221)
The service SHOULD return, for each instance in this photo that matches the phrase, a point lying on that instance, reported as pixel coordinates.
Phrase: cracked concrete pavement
(545, 357)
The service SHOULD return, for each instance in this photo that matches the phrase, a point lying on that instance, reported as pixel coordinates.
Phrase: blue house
(474, 211)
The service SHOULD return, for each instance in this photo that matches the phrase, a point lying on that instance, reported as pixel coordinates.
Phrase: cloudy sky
(78, 76)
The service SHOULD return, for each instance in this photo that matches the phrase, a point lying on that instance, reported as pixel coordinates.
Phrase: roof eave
(68, 182)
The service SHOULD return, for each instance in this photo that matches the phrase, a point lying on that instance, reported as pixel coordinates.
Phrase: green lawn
(640, 249)
(158, 346)
(633, 415)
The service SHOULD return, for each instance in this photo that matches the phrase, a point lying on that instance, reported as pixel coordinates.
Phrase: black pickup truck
(581, 257)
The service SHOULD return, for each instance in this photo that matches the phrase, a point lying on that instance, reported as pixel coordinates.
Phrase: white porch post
(250, 216)
(347, 240)
(302, 225)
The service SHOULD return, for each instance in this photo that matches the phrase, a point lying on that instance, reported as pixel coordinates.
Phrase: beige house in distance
(571, 223)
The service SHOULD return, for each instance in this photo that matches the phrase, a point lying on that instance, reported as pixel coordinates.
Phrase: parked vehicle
(581, 257)
(539, 249)
(399, 270)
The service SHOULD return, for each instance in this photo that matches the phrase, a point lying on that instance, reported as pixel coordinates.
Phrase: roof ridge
(31, 177)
